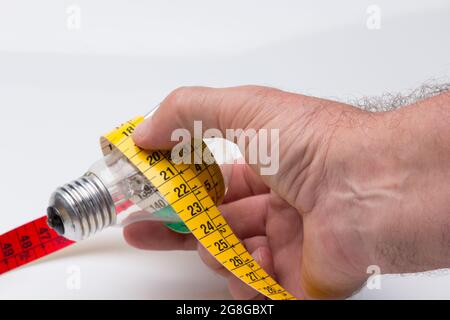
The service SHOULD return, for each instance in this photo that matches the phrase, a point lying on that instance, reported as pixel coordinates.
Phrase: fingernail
(257, 255)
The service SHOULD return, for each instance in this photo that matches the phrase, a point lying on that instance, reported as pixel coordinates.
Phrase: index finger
(154, 235)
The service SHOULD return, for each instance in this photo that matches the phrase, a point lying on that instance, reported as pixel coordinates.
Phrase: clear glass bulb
(112, 192)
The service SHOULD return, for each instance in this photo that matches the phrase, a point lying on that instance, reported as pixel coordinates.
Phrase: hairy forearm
(415, 235)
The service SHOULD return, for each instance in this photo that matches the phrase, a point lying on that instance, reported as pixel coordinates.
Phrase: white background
(60, 89)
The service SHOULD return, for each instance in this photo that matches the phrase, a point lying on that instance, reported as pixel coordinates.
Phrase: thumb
(222, 108)
(245, 110)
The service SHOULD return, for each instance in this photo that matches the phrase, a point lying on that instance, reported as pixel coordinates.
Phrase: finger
(253, 243)
(250, 244)
(210, 261)
(246, 218)
(246, 215)
(184, 105)
(243, 182)
(153, 235)
(286, 241)
(240, 290)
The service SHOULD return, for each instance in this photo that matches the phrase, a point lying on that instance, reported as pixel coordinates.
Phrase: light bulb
(112, 192)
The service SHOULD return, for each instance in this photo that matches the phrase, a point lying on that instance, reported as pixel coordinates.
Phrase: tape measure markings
(28, 243)
(188, 196)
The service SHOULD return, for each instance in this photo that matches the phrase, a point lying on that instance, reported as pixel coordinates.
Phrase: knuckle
(178, 96)
(186, 100)
(272, 98)
(258, 90)
(263, 94)
(185, 94)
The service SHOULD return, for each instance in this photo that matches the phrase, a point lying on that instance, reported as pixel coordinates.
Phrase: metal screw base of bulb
(81, 208)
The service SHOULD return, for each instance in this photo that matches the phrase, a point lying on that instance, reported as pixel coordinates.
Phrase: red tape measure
(31, 242)
(28, 243)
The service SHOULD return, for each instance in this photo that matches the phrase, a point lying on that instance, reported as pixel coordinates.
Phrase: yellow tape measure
(183, 187)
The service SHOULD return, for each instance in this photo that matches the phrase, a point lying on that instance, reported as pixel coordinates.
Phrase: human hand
(353, 189)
